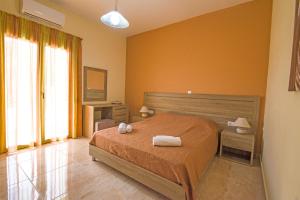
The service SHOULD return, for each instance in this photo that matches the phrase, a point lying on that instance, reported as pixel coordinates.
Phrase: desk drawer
(119, 108)
(120, 119)
(118, 113)
(238, 143)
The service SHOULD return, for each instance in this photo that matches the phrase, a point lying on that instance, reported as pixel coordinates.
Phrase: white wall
(101, 47)
(281, 152)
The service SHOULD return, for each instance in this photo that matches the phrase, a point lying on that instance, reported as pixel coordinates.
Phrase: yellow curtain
(18, 27)
(75, 122)
(44, 37)
(72, 44)
(2, 86)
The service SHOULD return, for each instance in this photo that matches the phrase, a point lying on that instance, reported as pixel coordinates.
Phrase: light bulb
(115, 19)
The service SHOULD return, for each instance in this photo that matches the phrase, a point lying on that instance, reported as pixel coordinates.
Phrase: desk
(95, 113)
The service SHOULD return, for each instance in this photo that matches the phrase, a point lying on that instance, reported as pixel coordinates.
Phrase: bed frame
(151, 180)
(219, 108)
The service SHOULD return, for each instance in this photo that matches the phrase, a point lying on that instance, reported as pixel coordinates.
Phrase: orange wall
(224, 52)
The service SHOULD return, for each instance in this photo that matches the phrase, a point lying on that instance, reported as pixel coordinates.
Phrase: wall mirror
(95, 84)
(294, 84)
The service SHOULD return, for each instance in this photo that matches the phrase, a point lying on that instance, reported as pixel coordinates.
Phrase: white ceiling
(145, 15)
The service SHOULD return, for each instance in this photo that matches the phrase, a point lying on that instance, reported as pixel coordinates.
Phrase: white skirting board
(266, 188)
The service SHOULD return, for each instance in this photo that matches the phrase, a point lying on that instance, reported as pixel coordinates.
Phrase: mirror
(294, 84)
(95, 84)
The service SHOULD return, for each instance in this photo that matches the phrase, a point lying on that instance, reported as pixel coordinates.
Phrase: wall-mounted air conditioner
(37, 10)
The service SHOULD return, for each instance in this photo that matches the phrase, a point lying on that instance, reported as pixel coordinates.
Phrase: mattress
(183, 165)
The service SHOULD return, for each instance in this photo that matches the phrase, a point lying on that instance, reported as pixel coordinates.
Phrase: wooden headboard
(219, 108)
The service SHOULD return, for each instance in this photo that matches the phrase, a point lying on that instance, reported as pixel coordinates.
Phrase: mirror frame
(85, 89)
(294, 83)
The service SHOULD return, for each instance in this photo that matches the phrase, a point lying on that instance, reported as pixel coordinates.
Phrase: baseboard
(266, 188)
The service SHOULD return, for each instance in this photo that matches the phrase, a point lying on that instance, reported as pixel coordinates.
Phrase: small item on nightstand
(242, 125)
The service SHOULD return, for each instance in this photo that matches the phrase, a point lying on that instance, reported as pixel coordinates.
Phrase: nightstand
(244, 142)
(136, 118)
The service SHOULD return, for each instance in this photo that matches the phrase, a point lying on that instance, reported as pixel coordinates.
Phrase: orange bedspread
(183, 165)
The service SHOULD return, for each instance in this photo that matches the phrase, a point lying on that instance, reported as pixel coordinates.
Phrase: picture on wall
(294, 84)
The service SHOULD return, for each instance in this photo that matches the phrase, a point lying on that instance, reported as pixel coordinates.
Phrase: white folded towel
(167, 141)
(128, 128)
(122, 128)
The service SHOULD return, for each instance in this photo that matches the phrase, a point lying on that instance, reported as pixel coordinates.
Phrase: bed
(173, 171)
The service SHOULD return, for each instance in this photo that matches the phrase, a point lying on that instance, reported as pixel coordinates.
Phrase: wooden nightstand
(244, 142)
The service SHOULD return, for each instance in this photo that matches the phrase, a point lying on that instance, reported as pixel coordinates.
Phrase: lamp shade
(144, 109)
(114, 19)
(242, 122)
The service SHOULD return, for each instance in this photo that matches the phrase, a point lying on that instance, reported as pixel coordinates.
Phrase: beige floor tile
(64, 170)
(4, 161)
(230, 180)
(52, 184)
(23, 190)
(11, 174)
(40, 164)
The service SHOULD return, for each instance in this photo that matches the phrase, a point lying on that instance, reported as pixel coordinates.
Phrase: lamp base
(242, 131)
(144, 115)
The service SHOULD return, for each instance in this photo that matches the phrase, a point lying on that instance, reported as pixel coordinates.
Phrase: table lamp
(242, 124)
(145, 111)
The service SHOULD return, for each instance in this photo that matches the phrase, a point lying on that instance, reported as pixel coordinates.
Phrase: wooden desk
(94, 113)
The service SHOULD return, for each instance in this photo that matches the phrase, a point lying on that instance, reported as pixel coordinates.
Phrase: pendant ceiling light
(115, 19)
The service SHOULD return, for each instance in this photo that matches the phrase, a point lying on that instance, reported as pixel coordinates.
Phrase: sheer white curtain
(56, 93)
(20, 92)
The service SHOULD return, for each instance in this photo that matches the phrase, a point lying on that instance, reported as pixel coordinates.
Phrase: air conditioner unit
(37, 10)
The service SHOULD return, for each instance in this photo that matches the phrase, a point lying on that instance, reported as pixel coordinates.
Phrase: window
(56, 90)
(20, 92)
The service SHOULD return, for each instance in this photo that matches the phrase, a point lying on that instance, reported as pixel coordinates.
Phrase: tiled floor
(65, 171)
